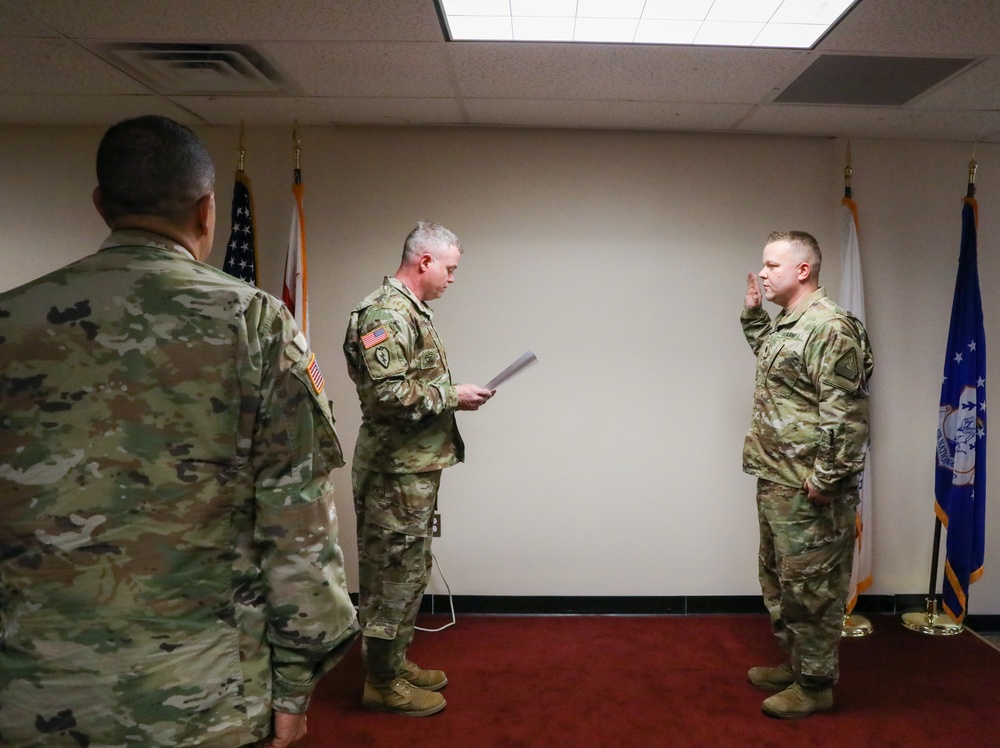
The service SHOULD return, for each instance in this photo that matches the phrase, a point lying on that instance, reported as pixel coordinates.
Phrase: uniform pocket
(813, 578)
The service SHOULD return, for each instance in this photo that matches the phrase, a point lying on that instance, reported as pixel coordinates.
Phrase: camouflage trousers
(806, 552)
(394, 513)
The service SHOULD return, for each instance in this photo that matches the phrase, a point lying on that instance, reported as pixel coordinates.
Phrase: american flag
(315, 375)
(375, 337)
(241, 250)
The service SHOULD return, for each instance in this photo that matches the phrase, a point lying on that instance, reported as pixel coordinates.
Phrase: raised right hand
(752, 300)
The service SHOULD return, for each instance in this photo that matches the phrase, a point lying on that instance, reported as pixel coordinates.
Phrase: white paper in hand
(526, 360)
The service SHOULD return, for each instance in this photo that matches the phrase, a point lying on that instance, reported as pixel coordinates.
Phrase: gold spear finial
(242, 151)
(296, 144)
(971, 192)
(848, 172)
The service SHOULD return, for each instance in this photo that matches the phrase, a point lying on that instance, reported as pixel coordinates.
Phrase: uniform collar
(141, 238)
(403, 289)
(793, 314)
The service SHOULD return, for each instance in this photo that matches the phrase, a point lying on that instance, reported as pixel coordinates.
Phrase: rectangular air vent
(867, 80)
(195, 69)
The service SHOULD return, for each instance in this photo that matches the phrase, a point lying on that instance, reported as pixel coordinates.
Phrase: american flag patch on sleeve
(315, 375)
(376, 336)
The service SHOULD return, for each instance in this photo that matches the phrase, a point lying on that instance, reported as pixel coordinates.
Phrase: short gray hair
(429, 237)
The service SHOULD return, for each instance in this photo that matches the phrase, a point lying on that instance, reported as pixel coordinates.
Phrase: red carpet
(591, 681)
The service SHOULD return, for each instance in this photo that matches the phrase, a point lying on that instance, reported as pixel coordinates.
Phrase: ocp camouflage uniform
(810, 420)
(169, 570)
(408, 435)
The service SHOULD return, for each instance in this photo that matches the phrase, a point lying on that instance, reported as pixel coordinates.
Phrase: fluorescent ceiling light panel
(482, 28)
(676, 10)
(531, 29)
(793, 24)
(610, 9)
(728, 33)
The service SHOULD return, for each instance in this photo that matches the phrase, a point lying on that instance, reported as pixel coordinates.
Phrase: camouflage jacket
(397, 362)
(810, 414)
(169, 566)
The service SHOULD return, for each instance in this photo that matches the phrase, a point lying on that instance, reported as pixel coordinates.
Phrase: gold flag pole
(930, 621)
(854, 626)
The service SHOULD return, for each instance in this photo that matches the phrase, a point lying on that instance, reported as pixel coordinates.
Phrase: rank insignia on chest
(382, 355)
(373, 338)
(315, 375)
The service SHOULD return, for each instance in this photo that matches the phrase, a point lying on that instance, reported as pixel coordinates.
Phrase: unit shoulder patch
(847, 365)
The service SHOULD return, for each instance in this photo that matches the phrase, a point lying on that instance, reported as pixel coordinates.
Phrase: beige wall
(613, 466)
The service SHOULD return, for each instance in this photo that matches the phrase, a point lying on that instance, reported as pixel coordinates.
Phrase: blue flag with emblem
(241, 250)
(960, 477)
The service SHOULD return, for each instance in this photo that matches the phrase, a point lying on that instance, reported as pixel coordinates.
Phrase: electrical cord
(451, 602)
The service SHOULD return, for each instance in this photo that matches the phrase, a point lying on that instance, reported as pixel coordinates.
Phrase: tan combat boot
(429, 680)
(796, 702)
(396, 696)
(772, 678)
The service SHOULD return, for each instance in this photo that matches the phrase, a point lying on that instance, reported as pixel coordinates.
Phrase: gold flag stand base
(931, 622)
(856, 626)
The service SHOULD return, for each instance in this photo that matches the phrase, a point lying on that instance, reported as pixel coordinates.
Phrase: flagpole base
(931, 622)
(856, 626)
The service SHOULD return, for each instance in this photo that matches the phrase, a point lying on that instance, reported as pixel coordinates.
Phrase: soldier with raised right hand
(807, 445)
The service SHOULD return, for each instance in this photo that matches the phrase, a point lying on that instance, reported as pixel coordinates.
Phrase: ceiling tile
(926, 27)
(628, 115)
(42, 109)
(872, 122)
(258, 110)
(393, 69)
(975, 89)
(58, 66)
(14, 22)
(604, 71)
(225, 20)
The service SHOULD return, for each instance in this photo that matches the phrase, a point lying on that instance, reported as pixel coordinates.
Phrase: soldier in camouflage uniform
(806, 445)
(408, 436)
(169, 570)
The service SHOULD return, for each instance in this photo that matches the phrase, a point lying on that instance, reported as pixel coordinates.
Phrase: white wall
(613, 466)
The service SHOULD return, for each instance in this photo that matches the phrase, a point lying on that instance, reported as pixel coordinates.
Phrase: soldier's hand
(815, 496)
(752, 300)
(471, 396)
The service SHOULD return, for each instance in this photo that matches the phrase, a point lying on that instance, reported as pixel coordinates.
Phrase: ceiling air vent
(869, 80)
(202, 69)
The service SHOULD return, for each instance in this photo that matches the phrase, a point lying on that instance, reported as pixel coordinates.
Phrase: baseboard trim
(667, 605)
(671, 605)
(632, 605)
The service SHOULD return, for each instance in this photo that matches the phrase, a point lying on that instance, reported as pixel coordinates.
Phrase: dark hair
(152, 166)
